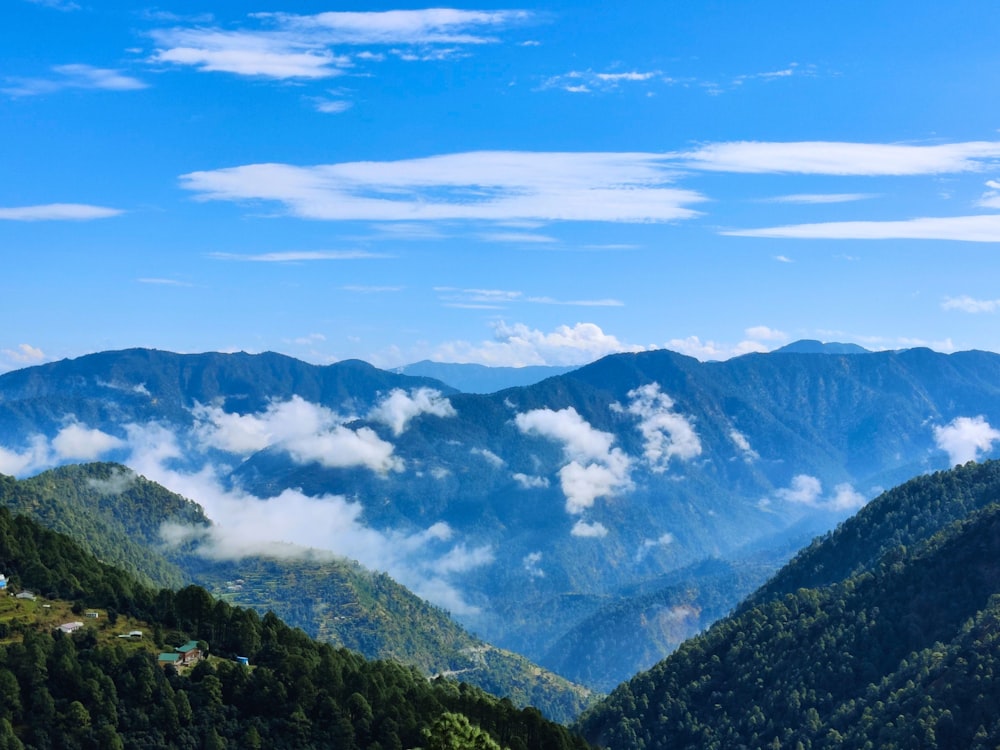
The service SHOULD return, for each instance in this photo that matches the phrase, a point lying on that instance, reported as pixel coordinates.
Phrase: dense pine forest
(902, 652)
(86, 690)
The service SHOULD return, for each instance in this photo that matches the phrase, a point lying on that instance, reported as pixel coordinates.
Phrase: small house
(71, 627)
(164, 659)
(26, 595)
(189, 653)
(3, 581)
(93, 615)
(135, 634)
(245, 661)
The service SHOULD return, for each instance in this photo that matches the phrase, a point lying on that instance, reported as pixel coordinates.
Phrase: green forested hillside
(116, 515)
(113, 512)
(903, 516)
(903, 651)
(69, 692)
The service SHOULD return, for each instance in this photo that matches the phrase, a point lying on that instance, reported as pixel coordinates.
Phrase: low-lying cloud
(666, 434)
(595, 468)
(807, 491)
(965, 438)
(400, 408)
(308, 433)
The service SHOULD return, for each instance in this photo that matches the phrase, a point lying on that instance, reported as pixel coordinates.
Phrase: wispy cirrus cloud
(970, 304)
(163, 282)
(841, 158)
(58, 212)
(497, 186)
(289, 46)
(589, 81)
(810, 198)
(298, 256)
(497, 299)
(73, 76)
(984, 228)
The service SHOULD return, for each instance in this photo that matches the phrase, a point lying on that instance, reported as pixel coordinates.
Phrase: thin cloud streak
(58, 212)
(838, 158)
(295, 256)
(984, 228)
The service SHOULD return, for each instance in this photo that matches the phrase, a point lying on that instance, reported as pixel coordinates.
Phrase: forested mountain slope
(903, 650)
(118, 515)
(86, 691)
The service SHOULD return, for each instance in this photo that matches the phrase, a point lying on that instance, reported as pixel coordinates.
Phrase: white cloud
(341, 447)
(530, 482)
(531, 563)
(58, 212)
(333, 106)
(292, 524)
(78, 443)
(299, 256)
(256, 54)
(578, 438)
(820, 198)
(985, 228)
(518, 345)
(804, 490)
(666, 434)
(971, 305)
(34, 457)
(764, 333)
(399, 408)
(489, 456)
(74, 76)
(163, 282)
(664, 540)
(309, 433)
(483, 185)
(587, 81)
(845, 497)
(586, 530)
(743, 444)
(496, 299)
(965, 438)
(25, 354)
(807, 490)
(117, 482)
(838, 158)
(595, 469)
(284, 45)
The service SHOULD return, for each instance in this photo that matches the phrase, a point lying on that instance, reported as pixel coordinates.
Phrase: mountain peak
(812, 346)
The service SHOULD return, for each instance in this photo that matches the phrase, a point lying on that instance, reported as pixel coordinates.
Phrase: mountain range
(533, 512)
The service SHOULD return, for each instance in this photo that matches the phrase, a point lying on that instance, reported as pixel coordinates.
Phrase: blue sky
(516, 184)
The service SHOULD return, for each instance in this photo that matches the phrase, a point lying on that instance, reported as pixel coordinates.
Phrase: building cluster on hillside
(182, 656)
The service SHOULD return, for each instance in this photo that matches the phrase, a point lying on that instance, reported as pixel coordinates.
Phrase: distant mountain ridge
(811, 346)
(473, 378)
(527, 510)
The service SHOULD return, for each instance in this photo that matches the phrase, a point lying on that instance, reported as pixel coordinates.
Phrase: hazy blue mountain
(811, 346)
(526, 511)
(473, 378)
